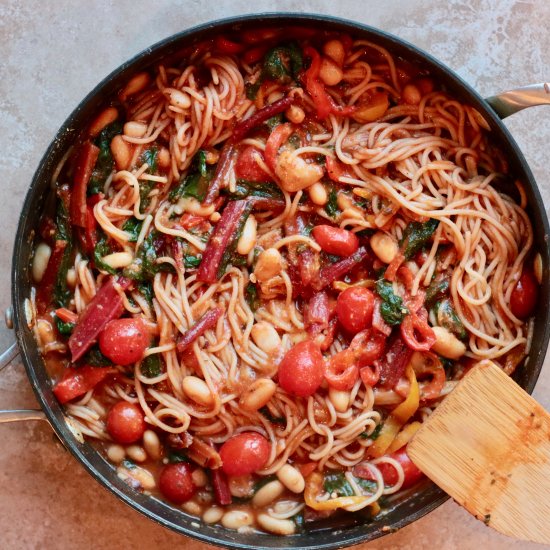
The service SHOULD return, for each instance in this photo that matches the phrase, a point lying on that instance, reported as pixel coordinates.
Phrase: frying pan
(407, 507)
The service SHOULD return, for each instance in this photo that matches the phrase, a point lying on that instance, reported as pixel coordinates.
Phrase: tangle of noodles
(370, 147)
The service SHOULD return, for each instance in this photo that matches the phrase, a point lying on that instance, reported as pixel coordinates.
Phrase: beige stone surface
(51, 54)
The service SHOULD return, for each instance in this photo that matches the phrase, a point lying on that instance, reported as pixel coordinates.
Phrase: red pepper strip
(88, 236)
(254, 54)
(206, 322)
(259, 35)
(221, 487)
(319, 321)
(368, 345)
(66, 315)
(316, 89)
(391, 271)
(332, 272)
(188, 221)
(413, 327)
(342, 370)
(370, 375)
(430, 367)
(274, 142)
(87, 158)
(378, 321)
(393, 364)
(224, 45)
(221, 238)
(265, 203)
(106, 306)
(77, 382)
(46, 286)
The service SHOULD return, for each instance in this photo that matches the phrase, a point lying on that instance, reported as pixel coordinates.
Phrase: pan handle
(512, 101)
(16, 415)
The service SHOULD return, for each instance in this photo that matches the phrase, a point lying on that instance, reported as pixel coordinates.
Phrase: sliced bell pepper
(314, 487)
(85, 163)
(78, 381)
(206, 322)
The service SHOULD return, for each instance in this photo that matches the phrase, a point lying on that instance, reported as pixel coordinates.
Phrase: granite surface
(51, 55)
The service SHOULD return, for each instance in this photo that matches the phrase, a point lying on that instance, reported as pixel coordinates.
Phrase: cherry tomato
(354, 309)
(302, 369)
(389, 473)
(247, 167)
(125, 422)
(524, 296)
(124, 341)
(176, 483)
(334, 240)
(244, 453)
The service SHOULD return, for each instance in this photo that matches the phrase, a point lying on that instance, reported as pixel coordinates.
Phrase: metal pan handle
(512, 101)
(16, 415)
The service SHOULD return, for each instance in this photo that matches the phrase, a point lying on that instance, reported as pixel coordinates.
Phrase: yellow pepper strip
(314, 484)
(365, 283)
(397, 418)
(374, 508)
(404, 436)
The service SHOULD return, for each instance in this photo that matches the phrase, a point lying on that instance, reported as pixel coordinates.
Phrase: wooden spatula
(488, 446)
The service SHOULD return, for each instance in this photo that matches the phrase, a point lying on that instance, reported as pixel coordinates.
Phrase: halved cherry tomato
(524, 296)
(125, 422)
(302, 369)
(248, 169)
(354, 308)
(77, 382)
(124, 341)
(244, 453)
(416, 332)
(342, 370)
(334, 240)
(176, 482)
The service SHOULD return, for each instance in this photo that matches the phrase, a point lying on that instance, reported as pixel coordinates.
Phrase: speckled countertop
(52, 54)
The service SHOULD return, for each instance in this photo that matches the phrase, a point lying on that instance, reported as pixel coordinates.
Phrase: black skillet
(355, 529)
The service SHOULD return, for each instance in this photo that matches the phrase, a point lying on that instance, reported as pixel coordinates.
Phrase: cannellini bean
(335, 50)
(384, 246)
(122, 152)
(135, 129)
(291, 478)
(318, 194)
(266, 337)
(447, 344)
(330, 73)
(151, 443)
(193, 206)
(141, 475)
(212, 515)
(116, 453)
(163, 158)
(268, 493)
(340, 399)
(274, 96)
(136, 84)
(196, 389)
(269, 264)
(106, 117)
(200, 479)
(537, 268)
(180, 99)
(295, 114)
(40, 261)
(411, 94)
(71, 277)
(118, 259)
(275, 525)
(241, 486)
(136, 453)
(45, 332)
(237, 518)
(257, 394)
(248, 237)
(295, 173)
(192, 508)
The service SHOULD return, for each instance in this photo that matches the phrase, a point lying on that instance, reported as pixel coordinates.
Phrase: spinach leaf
(146, 290)
(175, 457)
(63, 227)
(246, 188)
(331, 208)
(336, 482)
(144, 266)
(145, 187)
(263, 481)
(274, 121)
(150, 157)
(229, 254)
(94, 358)
(133, 227)
(448, 318)
(105, 163)
(299, 521)
(437, 289)
(392, 309)
(101, 249)
(63, 327)
(251, 296)
(193, 185)
(151, 366)
(252, 90)
(374, 435)
(200, 161)
(191, 262)
(416, 235)
(61, 291)
(273, 419)
(282, 63)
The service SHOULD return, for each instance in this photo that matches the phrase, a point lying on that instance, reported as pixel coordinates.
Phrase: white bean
(200, 479)
(237, 518)
(248, 237)
(135, 84)
(135, 129)
(269, 264)
(192, 508)
(258, 394)
(180, 99)
(163, 158)
(136, 453)
(295, 114)
(411, 94)
(212, 515)
(40, 261)
(384, 246)
(266, 337)
(106, 117)
(335, 50)
(241, 486)
(71, 277)
(291, 478)
(122, 152)
(330, 73)
(537, 268)
(196, 389)
(447, 344)
(193, 206)
(45, 332)
(118, 259)
(151, 443)
(318, 194)
(116, 453)
(275, 525)
(268, 493)
(339, 398)
(141, 475)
